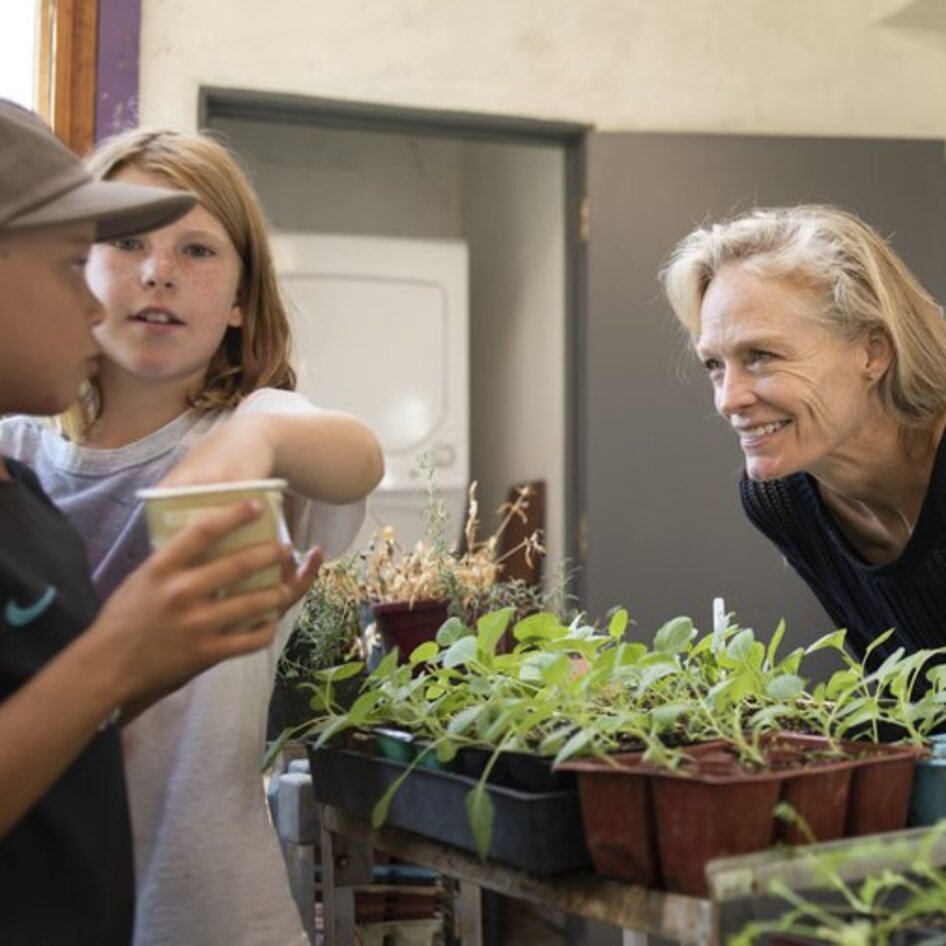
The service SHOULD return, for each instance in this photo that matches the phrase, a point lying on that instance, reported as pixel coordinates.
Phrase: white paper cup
(169, 509)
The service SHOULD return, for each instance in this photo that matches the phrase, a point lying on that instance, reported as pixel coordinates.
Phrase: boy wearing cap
(65, 666)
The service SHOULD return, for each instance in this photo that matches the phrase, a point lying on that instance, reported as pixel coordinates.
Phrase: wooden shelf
(347, 842)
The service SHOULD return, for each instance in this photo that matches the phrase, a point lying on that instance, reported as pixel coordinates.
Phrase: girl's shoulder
(274, 401)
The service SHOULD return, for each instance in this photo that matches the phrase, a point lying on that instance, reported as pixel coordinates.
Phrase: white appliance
(381, 329)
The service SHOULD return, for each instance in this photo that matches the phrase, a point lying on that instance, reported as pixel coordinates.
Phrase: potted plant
(730, 697)
(412, 592)
(409, 594)
(883, 892)
(326, 633)
(464, 693)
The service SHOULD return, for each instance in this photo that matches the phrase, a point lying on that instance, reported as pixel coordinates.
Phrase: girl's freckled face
(169, 295)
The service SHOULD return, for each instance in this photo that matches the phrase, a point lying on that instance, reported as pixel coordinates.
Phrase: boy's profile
(67, 666)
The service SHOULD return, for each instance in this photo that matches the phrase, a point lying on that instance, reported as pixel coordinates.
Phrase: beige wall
(772, 66)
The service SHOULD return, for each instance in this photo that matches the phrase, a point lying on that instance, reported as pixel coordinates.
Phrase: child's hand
(299, 579)
(167, 621)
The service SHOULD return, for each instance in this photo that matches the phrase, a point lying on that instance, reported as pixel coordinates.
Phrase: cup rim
(169, 492)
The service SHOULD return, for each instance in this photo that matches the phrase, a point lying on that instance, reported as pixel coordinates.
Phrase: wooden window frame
(67, 59)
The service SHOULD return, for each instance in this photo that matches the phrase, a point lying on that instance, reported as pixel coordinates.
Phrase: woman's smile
(794, 391)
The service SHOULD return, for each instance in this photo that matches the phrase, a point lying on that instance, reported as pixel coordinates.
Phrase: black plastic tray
(538, 832)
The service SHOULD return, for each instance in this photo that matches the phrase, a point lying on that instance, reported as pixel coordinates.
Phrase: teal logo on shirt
(19, 615)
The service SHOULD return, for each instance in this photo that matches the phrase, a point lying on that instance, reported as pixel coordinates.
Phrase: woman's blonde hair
(857, 281)
(256, 353)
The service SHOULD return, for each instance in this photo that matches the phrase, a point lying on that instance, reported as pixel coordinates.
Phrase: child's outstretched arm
(164, 624)
(325, 455)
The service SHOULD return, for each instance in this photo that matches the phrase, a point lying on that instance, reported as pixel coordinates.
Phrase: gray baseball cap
(43, 183)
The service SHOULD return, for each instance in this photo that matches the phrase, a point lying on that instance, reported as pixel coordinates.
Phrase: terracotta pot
(879, 794)
(617, 812)
(407, 625)
(652, 827)
(817, 785)
(701, 816)
(880, 788)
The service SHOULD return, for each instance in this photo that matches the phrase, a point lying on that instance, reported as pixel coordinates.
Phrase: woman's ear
(878, 353)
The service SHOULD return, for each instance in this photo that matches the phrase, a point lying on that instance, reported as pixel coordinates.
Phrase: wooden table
(347, 842)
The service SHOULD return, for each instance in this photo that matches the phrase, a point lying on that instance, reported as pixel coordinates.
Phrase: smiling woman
(828, 360)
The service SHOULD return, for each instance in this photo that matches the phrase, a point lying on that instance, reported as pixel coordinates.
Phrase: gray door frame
(248, 104)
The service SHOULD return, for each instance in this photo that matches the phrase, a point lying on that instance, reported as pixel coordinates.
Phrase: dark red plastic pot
(617, 813)
(817, 785)
(820, 797)
(881, 779)
(703, 817)
(407, 625)
(880, 788)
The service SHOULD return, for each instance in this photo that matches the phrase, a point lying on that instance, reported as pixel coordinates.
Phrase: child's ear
(235, 318)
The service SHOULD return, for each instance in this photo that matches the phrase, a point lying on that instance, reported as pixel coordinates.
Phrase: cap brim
(116, 208)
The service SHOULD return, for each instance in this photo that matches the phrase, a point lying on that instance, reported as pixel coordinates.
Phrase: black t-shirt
(66, 872)
(908, 593)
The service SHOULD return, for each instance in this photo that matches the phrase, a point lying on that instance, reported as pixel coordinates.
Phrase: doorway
(511, 189)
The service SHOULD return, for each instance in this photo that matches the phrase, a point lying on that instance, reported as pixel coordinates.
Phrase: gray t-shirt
(96, 488)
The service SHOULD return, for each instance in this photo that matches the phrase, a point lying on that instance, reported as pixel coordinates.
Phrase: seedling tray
(537, 832)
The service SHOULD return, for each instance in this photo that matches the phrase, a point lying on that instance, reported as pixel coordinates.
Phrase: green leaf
(424, 653)
(337, 725)
(777, 636)
(834, 641)
(628, 654)
(544, 625)
(460, 652)
(387, 667)
(532, 669)
(446, 751)
(491, 627)
(665, 715)
(653, 667)
(741, 646)
(674, 636)
(841, 682)
(618, 624)
(465, 719)
(479, 813)
(379, 813)
(876, 642)
(788, 686)
(451, 631)
(558, 670)
(575, 744)
(363, 706)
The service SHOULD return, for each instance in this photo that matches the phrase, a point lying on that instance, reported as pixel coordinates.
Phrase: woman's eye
(759, 355)
(712, 364)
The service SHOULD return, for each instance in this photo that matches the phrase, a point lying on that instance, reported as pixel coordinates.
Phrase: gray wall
(666, 532)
